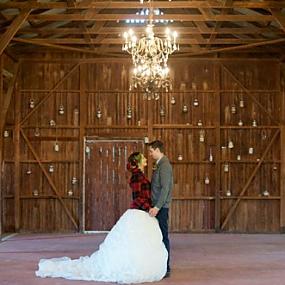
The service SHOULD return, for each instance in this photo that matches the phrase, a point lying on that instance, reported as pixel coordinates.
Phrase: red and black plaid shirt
(141, 190)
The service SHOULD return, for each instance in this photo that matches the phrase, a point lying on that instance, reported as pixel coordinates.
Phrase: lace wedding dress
(132, 252)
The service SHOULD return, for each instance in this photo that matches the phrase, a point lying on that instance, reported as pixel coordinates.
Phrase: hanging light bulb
(200, 124)
(226, 167)
(70, 192)
(250, 150)
(241, 103)
(240, 123)
(211, 158)
(172, 101)
(29, 172)
(202, 136)
(228, 193)
(254, 123)
(230, 144)
(179, 157)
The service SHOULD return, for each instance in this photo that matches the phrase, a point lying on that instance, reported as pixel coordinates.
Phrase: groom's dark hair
(157, 144)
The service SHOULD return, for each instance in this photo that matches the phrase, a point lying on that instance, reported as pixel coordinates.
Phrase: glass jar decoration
(240, 123)
(202, 136)
(74, 180)
(61, 109)
(207, 180)
(52, 123)
(51, 169)
(162, 112)
(32, 104)
(6, 134)
(228, 193)
(230, 144)
(226, 167)
(129, 113)
(99, 113)
(233, 109)
(56, 147)
(37, 132)
(211, 158)
(195, 102)
(185, 109)
(241, 103)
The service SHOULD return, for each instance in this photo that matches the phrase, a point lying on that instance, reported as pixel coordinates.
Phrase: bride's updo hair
(134, 160)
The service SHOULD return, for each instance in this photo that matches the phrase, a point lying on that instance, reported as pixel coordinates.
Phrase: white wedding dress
(132, 252)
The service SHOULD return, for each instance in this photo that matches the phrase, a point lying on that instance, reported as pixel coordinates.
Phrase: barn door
(107, 193)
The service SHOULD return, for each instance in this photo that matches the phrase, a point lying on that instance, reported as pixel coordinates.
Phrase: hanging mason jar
(61, 109)
(129, 113)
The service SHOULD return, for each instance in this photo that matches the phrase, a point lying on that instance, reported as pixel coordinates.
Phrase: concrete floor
(197, 259)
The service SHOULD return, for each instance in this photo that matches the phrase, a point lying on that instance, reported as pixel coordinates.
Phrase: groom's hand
(153, 211)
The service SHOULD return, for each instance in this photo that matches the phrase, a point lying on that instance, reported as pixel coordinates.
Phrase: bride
(132, 252)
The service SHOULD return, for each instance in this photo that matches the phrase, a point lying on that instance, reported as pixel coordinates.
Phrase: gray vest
(162, 184)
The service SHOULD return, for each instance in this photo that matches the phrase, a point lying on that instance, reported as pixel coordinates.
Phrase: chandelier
(150, 56)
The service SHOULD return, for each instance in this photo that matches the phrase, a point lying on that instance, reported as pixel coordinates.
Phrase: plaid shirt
(141, 190)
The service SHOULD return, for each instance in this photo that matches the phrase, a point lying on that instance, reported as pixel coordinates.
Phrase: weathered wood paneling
(201, 141)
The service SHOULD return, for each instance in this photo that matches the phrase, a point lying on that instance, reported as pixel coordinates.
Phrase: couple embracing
(136, 250)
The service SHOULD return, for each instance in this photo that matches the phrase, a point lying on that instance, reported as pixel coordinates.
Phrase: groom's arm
(165, 181)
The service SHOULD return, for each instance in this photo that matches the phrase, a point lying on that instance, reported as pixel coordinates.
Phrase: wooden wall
(219, 185)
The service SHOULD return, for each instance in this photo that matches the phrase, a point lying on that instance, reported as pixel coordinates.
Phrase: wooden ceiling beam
(137, 5)
(279, 17)
(12, 30)
(91, 16)
(158, 30)
(234, 48)
(119, 41)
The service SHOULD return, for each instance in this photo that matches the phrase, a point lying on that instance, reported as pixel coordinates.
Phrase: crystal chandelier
(149, 56)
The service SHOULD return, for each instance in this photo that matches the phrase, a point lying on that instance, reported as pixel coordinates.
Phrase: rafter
(137, 5)
(100, 29)
(280, 18)
(13, 28)
(91, 16)
(119, 41)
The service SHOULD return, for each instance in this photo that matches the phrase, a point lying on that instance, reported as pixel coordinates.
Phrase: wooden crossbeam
(7, 98)
(234, 206)
(50, 92)
(249, 93)
(119, 41)
(49, 179)
(235, 48)
(157, 30)
(137, 5)
(279, 17)
(91, 16)
(93, 51)
(13, 28)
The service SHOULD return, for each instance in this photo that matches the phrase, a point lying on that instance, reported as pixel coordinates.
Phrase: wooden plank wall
(215, 183)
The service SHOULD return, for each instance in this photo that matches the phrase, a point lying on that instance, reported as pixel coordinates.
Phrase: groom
(161, 192)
